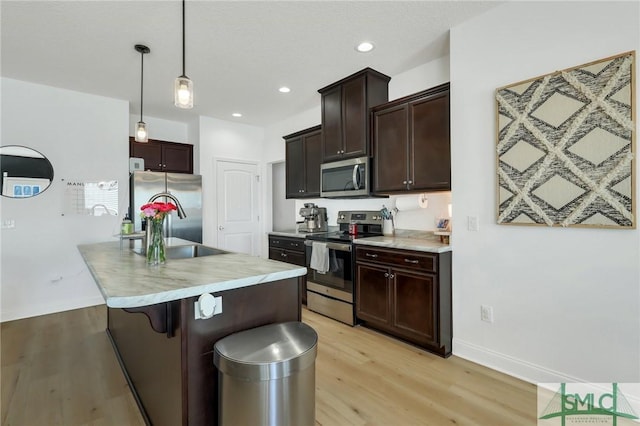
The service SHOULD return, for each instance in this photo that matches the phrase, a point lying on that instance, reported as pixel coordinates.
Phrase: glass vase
(155, 246)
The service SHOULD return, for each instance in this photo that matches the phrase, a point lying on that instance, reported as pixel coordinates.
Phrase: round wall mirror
(25, 171)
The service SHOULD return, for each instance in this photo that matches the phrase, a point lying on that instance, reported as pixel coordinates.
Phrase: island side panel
(242, 309)
(151, 361)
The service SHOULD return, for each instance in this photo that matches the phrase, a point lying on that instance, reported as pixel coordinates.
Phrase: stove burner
(342, 236)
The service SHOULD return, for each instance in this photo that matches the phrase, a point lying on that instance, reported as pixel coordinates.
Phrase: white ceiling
(238, 53)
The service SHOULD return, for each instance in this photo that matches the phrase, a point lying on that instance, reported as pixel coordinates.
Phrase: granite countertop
(294, 233)
(126, 281)
(407, 240)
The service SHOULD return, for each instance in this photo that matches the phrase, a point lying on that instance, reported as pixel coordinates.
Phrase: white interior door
(237, 186)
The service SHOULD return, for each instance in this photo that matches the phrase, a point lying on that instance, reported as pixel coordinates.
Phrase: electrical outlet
(207, 306)
(486, 313)
(472, 223)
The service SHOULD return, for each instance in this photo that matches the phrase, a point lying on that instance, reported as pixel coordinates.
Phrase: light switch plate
(472, 223)
(8, 224)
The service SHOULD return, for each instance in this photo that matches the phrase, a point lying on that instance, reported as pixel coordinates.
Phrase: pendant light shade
(141, 134)
(183, 87)
(183, 92)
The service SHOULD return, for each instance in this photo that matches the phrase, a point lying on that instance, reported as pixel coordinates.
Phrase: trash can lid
(267, 352)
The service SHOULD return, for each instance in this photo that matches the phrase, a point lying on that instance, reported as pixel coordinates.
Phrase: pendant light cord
(141, 82)
(183, 45)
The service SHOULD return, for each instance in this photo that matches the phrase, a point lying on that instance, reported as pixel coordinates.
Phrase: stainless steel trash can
(267, 376)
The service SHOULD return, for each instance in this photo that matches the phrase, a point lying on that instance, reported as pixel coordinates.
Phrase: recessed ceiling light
(365, 46)
(237, 114)
(284, 89)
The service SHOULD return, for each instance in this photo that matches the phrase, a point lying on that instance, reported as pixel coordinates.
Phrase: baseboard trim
(515, 367)
(28, 311)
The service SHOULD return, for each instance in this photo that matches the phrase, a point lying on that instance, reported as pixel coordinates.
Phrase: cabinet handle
(411, 261)
(284, 254)
(386, 275)
(410, 182)
(404, 182)
(371, 255)
(392, 276)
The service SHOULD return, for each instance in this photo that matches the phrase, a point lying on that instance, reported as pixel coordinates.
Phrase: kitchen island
(165, 352)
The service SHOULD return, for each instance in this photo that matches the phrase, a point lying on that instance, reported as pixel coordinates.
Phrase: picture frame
(565, 145)
(443, 224)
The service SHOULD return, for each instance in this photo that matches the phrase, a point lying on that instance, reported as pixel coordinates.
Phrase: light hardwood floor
(60, 369)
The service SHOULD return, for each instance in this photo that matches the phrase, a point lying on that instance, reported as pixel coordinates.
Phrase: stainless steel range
(331, 264)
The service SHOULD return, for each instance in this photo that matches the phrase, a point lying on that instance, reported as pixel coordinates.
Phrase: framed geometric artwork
(565, 147)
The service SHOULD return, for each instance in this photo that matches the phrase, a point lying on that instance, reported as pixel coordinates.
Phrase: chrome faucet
(181, 213)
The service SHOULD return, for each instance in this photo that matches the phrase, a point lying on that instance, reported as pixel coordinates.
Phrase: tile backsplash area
(417, 218)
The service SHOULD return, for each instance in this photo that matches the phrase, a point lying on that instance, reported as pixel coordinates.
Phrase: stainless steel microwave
(346, 178)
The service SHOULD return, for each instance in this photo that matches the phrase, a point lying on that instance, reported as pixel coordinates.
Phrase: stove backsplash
(418, 219)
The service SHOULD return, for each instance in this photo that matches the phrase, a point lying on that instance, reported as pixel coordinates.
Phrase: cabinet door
(294, 257)
(177, 158)
(354, 118)
(332, 125)
(276, 254)
(390, 154)
(294, 167)
(161, 156)
(431, 160)
(415, 306)
(373, 295)
(313, 159)
(150, 152)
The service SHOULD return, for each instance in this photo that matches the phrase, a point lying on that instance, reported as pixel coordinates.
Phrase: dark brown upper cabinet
(345, 113)
(163, 156)
(302, 166)
(411, 143)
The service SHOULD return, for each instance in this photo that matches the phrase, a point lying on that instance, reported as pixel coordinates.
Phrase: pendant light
(183, 87)
(141, 134)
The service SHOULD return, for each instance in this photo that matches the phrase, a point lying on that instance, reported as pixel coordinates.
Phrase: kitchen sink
(187, 252)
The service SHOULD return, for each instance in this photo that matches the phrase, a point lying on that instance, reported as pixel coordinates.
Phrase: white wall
(85, 137)
(283, 209)
(164, 130)
(419, 78)
(566, 301)
(225, 140)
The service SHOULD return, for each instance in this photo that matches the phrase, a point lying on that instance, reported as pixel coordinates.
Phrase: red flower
(156, 210)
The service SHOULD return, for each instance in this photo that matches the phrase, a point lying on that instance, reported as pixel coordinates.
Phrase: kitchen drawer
(295, 244)
(289, 256)
(398, 258)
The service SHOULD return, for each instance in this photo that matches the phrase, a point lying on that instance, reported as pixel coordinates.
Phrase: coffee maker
(315, 218)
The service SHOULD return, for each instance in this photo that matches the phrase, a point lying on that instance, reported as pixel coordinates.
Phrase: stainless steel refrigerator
(185, 187)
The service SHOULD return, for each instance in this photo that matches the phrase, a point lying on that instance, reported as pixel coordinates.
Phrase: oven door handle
(332, 246)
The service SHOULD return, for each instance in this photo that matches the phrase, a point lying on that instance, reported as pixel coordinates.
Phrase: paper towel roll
(413, 202)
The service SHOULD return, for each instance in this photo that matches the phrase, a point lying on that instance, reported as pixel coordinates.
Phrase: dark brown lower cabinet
(406, 294)
(167, 355)
(289, 250)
